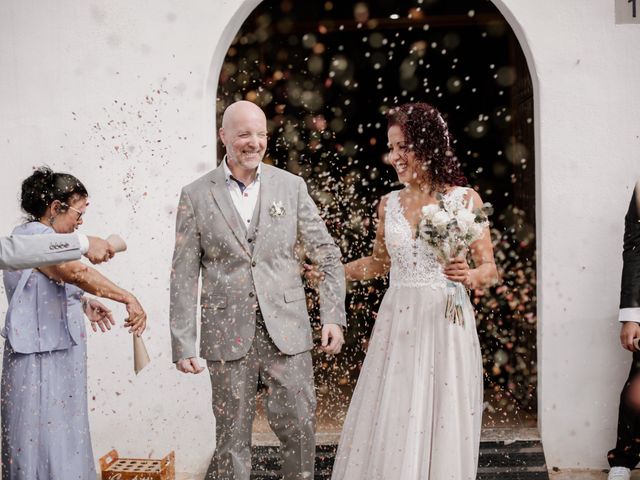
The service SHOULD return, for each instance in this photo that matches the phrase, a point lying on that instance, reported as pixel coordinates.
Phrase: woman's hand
(457, 270)
(313, 275)
(99, 315)
(137, 320)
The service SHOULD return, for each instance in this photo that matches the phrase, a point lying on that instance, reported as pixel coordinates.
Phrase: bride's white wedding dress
(417, 408)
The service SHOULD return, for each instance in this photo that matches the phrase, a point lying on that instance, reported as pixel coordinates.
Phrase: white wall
(82, 84)
(79, 80)
(588, 125)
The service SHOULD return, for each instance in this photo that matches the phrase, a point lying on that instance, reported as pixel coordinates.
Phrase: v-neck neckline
(402, 209)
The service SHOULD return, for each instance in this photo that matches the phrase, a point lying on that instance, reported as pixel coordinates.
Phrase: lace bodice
(413, 262)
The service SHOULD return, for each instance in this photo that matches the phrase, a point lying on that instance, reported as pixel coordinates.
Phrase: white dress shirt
(84, 243)
(629, 315)
(244, 199)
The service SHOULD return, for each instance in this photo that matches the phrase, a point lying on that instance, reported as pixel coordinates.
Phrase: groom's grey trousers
(290, 407)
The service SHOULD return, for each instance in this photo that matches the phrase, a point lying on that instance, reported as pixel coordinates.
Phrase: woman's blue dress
(45, 424)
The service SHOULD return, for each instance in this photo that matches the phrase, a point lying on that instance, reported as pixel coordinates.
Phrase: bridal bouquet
(450, 227)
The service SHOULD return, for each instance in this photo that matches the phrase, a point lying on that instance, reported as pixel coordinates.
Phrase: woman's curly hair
(44, 186)
(427, 134)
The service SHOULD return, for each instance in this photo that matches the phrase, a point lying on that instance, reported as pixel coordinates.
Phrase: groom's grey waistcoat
(243, 267)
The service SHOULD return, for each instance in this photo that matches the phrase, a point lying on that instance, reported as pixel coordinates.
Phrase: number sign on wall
(627, 11)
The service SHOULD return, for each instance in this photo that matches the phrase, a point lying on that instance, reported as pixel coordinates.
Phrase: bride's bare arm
(485, 272)
(378, 263)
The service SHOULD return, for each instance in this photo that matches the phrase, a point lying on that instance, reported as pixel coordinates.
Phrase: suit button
(253, 264)
(249, 240)
(251, 294)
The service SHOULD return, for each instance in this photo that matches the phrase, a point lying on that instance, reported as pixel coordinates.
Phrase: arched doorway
(325, 72)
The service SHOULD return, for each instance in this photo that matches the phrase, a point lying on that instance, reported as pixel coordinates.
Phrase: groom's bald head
(244, 134)
(241, 112)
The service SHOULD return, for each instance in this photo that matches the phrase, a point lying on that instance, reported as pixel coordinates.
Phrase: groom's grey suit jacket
(242, 268)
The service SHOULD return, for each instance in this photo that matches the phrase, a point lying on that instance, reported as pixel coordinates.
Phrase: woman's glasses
(80, 214)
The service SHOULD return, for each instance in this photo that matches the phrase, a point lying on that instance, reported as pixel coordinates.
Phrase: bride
(417, 408)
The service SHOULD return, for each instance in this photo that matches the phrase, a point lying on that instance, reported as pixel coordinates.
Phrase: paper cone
(140, 356)
(117, 243)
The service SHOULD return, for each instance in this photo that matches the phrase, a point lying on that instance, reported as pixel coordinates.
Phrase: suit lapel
(267, 192)
(225, 204)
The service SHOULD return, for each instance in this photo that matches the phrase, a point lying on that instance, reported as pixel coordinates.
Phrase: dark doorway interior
(325, 73)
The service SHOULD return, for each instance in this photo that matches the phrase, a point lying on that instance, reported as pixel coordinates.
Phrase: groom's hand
(332, 338)
(189, 365)
(628, 332)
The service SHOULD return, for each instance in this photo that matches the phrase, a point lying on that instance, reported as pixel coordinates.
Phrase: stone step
(520, 460)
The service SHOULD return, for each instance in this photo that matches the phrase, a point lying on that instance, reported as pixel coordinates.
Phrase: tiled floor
(586, 475)
(582, 475)
(578, 475)
(564, 475)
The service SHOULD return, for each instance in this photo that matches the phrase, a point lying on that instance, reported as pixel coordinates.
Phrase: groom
(238, 228)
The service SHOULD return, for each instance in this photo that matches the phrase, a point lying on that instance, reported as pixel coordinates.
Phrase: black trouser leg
(627, 451)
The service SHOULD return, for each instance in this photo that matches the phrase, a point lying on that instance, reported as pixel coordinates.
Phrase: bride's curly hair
(427, 134)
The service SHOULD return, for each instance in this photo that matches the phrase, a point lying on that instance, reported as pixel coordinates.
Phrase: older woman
(45, 427)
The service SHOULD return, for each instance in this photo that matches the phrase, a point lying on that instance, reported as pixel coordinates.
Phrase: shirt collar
(228, 174)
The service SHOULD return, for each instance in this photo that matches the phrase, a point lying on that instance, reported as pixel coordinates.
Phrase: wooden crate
(116, 468)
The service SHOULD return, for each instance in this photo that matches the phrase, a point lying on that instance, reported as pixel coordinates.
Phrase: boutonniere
(277, 210)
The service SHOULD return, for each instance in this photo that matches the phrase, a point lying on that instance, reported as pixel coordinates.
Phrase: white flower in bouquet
(466, 220)
(429, 211)
(451, 227)
(440, 220)
(476, 229)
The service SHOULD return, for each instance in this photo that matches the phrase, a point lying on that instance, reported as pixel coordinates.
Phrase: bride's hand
(313, 275)
(457, 270)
